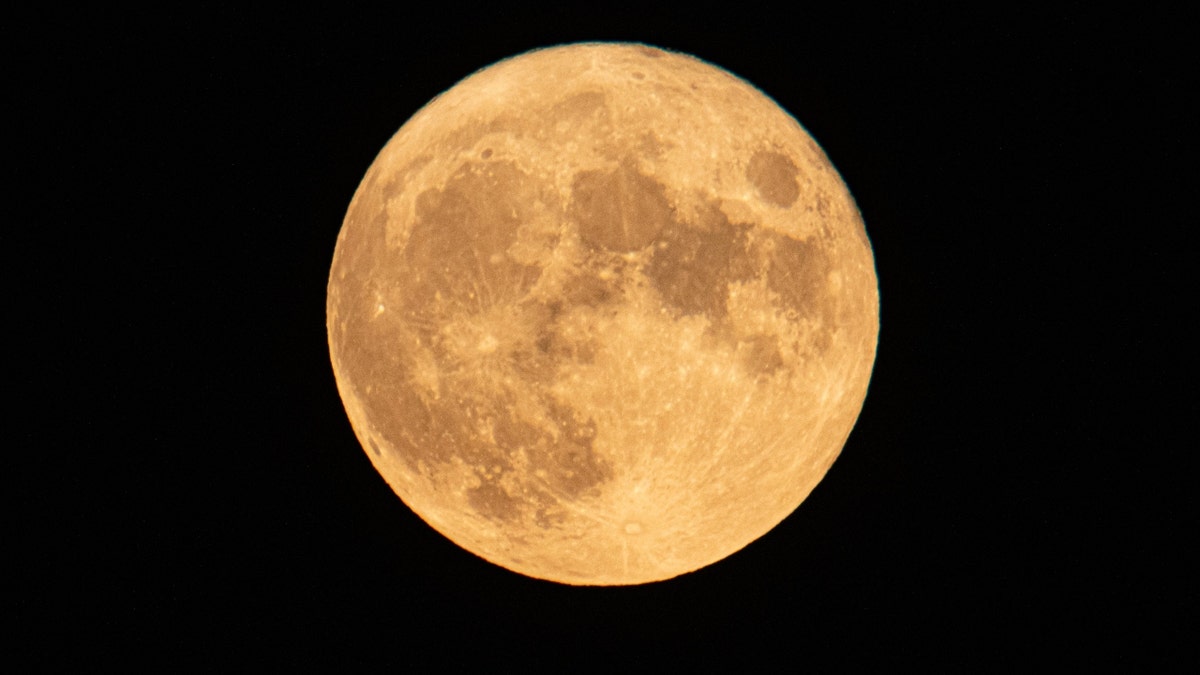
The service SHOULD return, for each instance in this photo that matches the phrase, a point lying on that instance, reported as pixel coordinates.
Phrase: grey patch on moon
(416, 432)
(798, 272)
(584, 114)
(459, 278)
(650, 145)
(562, 462)
(561, 334)
(459, 242)
(560, 347)
(589, 289)
(693, 267)
(774, 178)
(491, 501)
(618, 209)
(759, 354)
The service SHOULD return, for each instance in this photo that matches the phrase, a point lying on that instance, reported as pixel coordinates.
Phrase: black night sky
(189, 490)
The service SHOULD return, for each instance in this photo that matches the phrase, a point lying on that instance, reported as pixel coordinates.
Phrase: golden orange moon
(602, 314)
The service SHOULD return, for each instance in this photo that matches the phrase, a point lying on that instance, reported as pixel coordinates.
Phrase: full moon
(602, 314)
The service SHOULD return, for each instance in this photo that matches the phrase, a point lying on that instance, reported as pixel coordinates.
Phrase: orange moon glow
(602, 314)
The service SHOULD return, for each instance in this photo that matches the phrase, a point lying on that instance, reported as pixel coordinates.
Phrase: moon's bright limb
(602, 314)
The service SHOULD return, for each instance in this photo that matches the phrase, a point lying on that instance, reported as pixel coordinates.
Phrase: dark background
(188, 489)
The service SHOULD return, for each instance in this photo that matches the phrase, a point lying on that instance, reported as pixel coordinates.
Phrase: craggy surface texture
(602, 314)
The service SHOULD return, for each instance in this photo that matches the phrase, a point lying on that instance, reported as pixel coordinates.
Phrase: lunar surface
(602, 314)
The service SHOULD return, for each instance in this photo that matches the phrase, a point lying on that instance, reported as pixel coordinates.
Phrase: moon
(602, 314)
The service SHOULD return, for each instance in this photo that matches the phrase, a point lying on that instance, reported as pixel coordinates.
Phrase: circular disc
(602, 313)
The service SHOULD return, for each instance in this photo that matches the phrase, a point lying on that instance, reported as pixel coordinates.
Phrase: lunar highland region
(602, 314)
